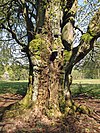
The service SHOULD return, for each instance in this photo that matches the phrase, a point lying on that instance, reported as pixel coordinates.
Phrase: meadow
(88, 87)
(14, 87)
(80, 89)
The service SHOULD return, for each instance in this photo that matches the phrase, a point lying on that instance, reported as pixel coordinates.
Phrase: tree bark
(50, 68)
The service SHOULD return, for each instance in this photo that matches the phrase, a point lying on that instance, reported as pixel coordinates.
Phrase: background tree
(89, 66)
(45, 32)
(11, 60)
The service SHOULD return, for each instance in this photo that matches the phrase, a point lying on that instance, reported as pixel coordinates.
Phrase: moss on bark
(87, 37)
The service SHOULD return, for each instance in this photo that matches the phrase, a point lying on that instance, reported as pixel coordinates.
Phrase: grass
(15, 87)
(89, 87)
(87, 81)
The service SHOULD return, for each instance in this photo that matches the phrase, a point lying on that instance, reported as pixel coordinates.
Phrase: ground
(34, 122)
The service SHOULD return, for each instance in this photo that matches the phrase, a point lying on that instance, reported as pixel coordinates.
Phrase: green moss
(13, 111)
(67, 55)
(27, 100)
(40, 49)
(50, 113)
(37, 36)
(19, 107)
(62, 104)
(85, 109)
(57, 43)
(67, 110)
(87, 37)
(37, 45)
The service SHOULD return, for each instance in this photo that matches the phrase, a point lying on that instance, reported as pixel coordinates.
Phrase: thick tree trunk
(49, 56)
(47, 73)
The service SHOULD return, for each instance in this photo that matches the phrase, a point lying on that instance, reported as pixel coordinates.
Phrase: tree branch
(13, 35)
(29, 24)
(88, 39)
(76, 27)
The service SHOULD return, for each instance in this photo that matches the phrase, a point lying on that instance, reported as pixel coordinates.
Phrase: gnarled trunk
(48, 67)
(50, 52)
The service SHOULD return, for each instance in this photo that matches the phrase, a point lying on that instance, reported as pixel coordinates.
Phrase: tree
(45, 31)
(10, 62)
(89, 67)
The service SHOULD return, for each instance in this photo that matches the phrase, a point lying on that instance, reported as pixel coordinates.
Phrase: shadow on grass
(13, 87)
(91, 90)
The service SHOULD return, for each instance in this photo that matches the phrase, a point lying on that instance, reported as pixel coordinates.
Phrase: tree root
(75, 108)
(13, 110)
(81, 109)
(95, 117)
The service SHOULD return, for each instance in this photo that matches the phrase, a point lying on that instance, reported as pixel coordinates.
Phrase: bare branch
(76, 27)
(13, 35)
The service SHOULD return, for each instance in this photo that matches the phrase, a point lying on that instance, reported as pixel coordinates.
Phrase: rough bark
(50, 53)
(47, 60)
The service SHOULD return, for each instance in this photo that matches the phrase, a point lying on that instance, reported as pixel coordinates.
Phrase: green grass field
(90, 87)
(87, 81)
(15, 87)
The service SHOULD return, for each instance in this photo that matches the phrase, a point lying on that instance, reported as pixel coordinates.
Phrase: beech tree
(44, 29)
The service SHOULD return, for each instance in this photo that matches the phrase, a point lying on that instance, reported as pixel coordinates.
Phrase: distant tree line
(13, 72)
(86, 73)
